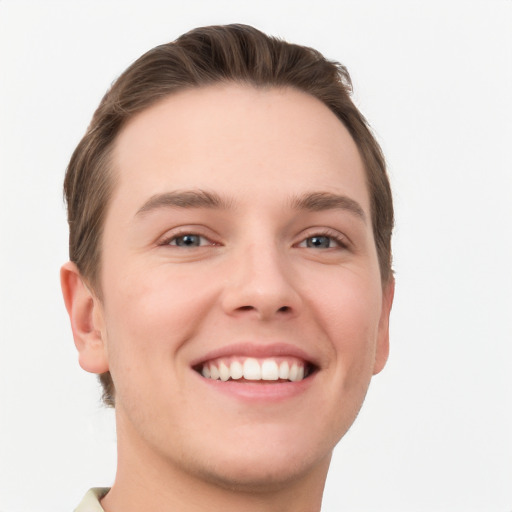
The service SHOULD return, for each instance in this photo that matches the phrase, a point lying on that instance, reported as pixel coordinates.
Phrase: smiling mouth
(244, 369)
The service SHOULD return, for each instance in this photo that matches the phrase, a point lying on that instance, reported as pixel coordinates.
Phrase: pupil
(319, 241)
(187, 241)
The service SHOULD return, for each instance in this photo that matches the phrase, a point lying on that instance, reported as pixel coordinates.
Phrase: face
(242, 312)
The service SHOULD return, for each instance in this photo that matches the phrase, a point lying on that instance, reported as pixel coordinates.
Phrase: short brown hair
(201, 57)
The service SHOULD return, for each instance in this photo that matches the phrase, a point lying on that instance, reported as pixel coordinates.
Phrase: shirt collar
(91, 501)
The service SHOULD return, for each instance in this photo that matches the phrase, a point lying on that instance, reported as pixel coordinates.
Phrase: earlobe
(382, 348)
(84, 310)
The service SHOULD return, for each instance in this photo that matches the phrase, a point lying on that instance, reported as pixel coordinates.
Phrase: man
(230, 277)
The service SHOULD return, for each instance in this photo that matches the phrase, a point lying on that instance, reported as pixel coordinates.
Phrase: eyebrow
(184, 199)
(319, 201)
(313, 201)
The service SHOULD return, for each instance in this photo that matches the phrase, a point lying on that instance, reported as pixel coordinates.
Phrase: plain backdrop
(435, 81)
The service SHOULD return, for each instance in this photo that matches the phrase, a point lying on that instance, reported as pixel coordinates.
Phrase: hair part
(202, 57)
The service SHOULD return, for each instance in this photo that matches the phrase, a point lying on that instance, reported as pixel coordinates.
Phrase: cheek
(151, 314)
(149, 318)
(350, 309)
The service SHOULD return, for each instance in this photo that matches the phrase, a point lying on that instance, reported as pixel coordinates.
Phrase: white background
(435, 81)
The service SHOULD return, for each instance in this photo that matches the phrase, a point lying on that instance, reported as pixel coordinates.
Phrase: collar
(91, 501)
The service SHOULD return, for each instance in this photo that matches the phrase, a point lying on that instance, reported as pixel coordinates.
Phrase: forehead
(237, 137)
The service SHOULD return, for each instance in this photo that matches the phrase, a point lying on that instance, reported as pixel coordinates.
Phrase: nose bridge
(261, 281)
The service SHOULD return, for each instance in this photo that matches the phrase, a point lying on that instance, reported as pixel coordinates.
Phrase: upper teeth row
(253, 369)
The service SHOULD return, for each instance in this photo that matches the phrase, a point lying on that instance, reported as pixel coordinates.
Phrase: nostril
(282, 309)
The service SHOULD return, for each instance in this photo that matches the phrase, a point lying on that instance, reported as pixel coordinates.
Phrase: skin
(255, 279)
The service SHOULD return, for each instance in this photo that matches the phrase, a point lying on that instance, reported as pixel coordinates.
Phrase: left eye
(320, 242)
(188, 240)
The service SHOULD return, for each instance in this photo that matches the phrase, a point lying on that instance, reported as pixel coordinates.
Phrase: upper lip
(256, 350)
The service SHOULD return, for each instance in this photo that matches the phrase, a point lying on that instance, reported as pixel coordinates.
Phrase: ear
(382, 349)
(85, 314)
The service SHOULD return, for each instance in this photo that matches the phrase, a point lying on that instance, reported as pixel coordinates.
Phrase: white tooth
(236, 370)
(252, 369)
(223, 371)
(205, 372)
(294, 370)
(284, 370)
(214, 372)
(300, 373)
(269, 370)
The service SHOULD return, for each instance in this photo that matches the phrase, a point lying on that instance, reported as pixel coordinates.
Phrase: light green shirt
(91, 501)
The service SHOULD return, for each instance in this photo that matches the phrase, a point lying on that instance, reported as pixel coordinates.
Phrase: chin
(262, 474)
(264, 463)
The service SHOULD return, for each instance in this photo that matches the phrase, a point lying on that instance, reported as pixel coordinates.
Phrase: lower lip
(259, 391)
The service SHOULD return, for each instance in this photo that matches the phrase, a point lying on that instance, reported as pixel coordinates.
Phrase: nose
(261, 284)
